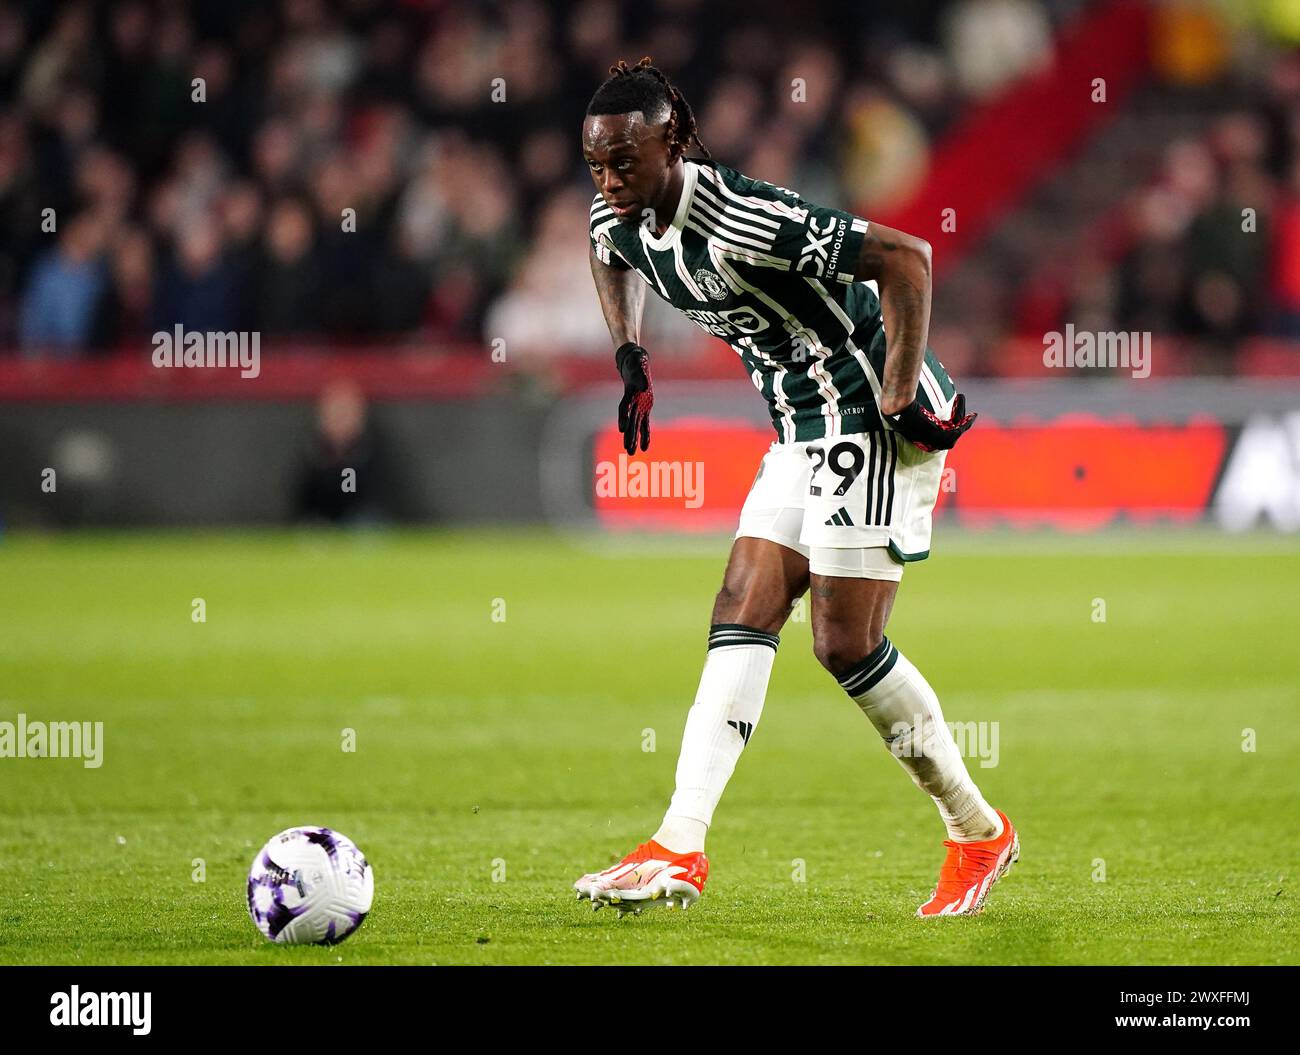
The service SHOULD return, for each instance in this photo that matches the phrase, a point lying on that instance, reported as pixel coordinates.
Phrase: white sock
(726, 710)
(905, 711)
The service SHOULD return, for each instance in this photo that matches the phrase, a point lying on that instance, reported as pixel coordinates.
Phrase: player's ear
(674, 148)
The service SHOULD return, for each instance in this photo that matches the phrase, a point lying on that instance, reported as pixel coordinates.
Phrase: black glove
(633, 363)
(925, 430)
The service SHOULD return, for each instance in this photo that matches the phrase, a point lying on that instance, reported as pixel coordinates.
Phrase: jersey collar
(674, 231)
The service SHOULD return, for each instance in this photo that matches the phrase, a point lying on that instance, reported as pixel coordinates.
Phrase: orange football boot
(969, 872)
(650, 875)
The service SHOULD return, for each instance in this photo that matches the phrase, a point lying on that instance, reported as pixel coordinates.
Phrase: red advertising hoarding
(1074, 473)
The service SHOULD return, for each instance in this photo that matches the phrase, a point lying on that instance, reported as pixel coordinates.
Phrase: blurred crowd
(409, 170)
(373, 169)
(1215, 241)
(1209, 247)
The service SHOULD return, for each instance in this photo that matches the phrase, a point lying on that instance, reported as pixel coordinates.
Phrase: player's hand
(928, 432)
(633, 363)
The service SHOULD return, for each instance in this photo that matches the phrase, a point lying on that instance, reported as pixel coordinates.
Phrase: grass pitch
(505, 688)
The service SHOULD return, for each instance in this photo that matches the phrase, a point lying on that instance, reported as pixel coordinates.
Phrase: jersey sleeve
(602, 216)
(818, 241)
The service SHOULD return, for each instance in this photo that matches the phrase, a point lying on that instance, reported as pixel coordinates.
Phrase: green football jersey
(772, 275)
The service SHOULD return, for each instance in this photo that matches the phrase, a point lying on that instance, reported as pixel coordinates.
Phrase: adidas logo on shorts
(841, 518)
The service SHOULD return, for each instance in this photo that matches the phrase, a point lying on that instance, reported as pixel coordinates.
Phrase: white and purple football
(309, 886)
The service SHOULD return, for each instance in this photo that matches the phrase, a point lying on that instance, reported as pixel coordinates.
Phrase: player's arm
(622, 300)
(900, 265)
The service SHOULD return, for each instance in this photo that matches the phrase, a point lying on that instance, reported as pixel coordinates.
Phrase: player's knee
(838, 648)
(739, 602)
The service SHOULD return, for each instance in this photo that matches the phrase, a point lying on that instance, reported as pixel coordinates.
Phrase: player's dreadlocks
(645, 88)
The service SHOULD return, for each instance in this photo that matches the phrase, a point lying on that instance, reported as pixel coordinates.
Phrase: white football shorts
(858, 506)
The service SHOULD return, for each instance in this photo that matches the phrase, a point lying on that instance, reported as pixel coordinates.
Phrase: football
(309, 886)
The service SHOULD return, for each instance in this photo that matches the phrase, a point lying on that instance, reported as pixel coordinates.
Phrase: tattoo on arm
(906, 308)
(872, 258)
(900, 265)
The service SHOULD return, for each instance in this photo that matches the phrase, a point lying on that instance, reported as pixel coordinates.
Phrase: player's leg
(869, 511)
(766, 573)
(849, 616)
(761, 583)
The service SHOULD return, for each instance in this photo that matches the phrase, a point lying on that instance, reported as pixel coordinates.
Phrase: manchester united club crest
(711, 284)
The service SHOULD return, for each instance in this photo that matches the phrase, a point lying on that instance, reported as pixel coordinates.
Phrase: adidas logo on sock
(743, 728)
(841, 518)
